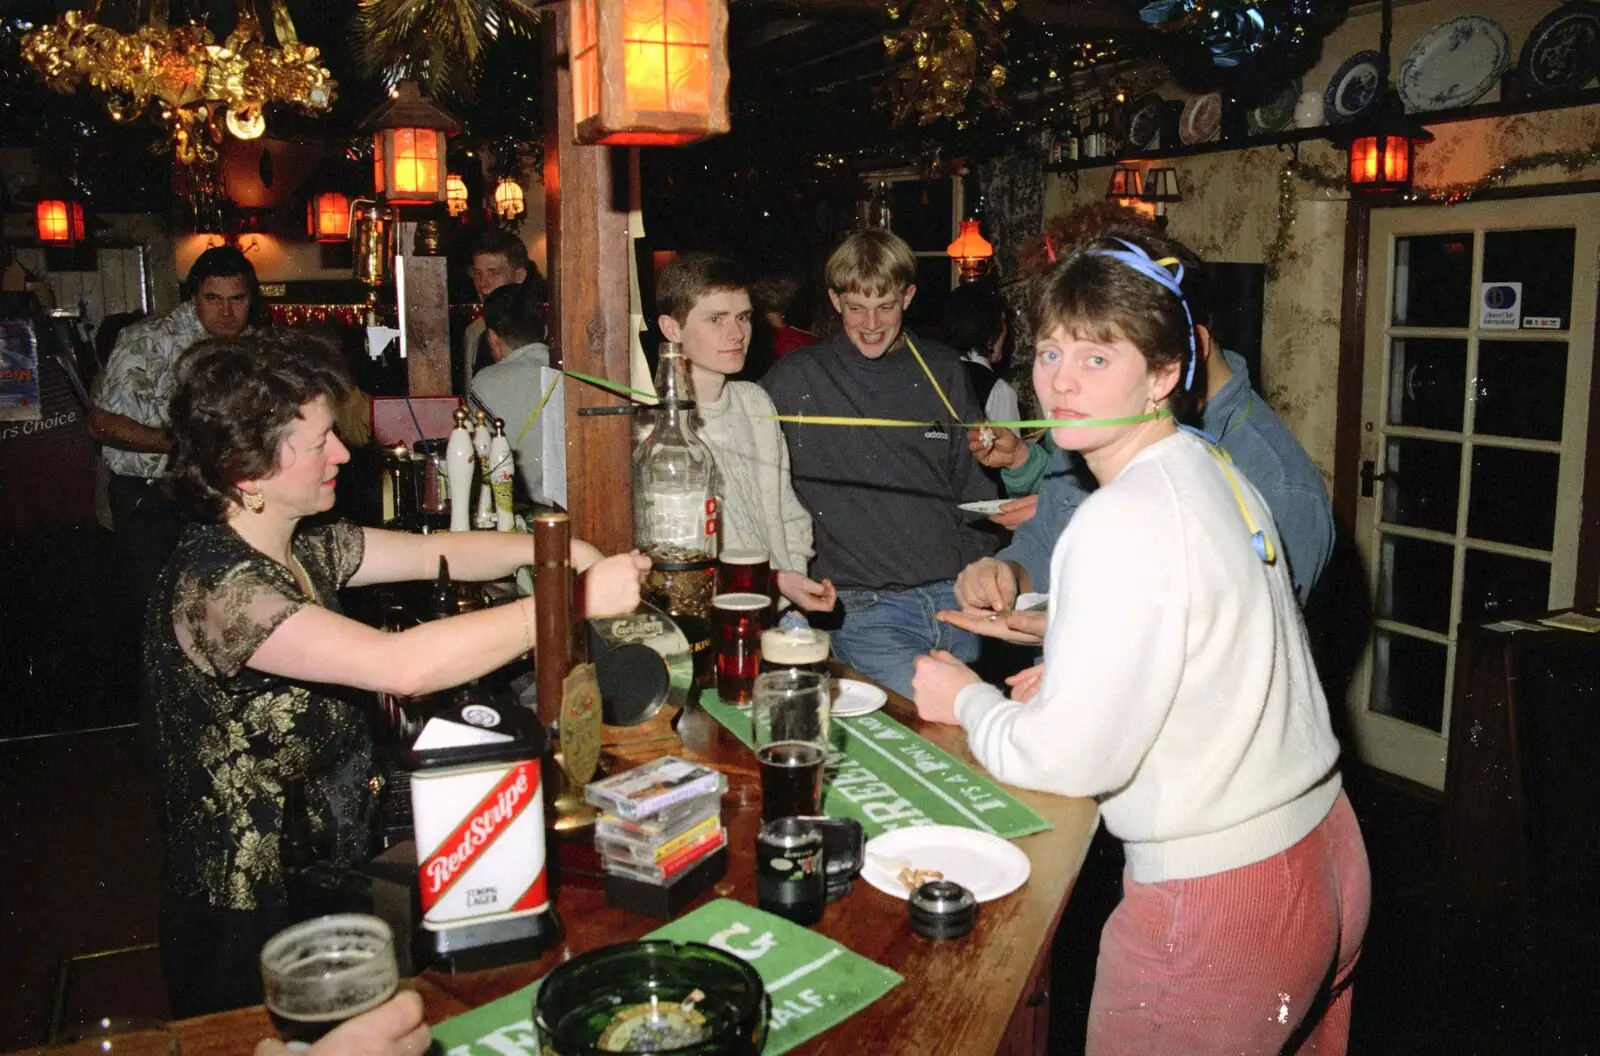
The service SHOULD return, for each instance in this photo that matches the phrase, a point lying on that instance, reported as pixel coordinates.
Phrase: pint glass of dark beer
(747, 572)
(794, 649)
(736, 621)
(789, 722)
(321, 972)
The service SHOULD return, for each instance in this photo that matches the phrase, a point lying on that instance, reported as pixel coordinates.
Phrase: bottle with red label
(676, 501)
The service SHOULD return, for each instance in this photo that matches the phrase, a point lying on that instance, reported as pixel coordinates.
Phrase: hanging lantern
(1382, 151)
(59, 221)
(1126, 182)
(971, 251)
(508, 198)
(455, 195)
(408, 147)
(649, 73)
(328, 217)
(1161, 189)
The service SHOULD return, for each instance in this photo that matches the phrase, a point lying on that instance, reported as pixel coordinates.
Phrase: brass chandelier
(199, 88)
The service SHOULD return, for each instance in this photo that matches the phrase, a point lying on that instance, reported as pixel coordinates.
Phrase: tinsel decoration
(437, 43)
(1294, 173)
(948, 49)
(199, 87)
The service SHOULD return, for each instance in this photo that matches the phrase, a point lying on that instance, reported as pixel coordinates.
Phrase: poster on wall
(1500, 306)
(19, 371)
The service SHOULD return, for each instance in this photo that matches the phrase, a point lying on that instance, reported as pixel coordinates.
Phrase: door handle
(1369, 477)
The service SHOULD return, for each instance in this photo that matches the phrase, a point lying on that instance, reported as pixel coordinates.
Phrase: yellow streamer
(912, 345)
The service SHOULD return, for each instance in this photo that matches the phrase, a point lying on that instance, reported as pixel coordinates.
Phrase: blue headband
(1140, 261)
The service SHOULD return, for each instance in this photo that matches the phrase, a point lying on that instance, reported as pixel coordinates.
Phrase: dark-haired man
(499, 258)
(511, 388)
(130, 421)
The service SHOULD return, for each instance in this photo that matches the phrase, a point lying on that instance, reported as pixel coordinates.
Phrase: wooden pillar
(586, 223)
(427, 325)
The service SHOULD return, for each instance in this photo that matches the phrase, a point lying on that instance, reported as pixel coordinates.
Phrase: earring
(254, 501)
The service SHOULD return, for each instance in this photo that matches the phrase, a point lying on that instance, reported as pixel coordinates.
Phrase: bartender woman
(245, 642)
(1178, 688)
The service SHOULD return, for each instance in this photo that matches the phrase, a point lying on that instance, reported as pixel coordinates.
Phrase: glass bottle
(676, 500)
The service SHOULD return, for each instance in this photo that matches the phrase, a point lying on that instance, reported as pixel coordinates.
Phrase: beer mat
(890, 777)
(814, 983)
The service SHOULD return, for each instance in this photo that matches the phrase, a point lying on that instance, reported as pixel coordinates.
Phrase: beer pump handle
(552, 595)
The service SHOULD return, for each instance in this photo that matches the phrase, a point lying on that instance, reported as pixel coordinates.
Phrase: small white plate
(986, 507)
(857, 698)
(986, 865)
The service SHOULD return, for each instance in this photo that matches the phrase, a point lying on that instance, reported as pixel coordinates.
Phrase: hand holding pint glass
(789, 723)
(324, 971)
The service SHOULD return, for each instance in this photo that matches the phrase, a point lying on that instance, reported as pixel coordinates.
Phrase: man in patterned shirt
(130, 414)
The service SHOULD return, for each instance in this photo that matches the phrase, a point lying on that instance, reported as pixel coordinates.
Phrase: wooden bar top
(982, 993)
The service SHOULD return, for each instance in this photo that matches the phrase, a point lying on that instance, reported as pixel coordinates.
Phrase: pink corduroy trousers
(1254, 960)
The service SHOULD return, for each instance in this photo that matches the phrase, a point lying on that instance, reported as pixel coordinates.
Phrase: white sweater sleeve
(1114, 653)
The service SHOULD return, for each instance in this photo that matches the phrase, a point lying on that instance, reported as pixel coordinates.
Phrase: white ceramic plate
(1453, 63)
(857, 698)
(986, 865)
(987, 507)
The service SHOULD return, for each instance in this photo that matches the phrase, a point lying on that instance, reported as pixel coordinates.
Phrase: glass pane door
(1479, 343)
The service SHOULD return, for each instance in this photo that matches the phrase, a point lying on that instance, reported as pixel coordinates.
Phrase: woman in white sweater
(1178, 688)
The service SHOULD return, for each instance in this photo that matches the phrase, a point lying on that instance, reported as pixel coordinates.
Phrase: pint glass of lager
(794, 649)
(321, 972)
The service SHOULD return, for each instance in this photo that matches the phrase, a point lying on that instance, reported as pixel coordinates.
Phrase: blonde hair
(873, 263)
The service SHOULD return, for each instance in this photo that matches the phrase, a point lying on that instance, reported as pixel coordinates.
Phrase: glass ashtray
(684, 998)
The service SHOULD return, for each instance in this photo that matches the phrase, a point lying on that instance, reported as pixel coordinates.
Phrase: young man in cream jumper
(705, 307)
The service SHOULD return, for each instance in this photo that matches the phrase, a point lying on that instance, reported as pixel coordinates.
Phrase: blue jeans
(886, 630)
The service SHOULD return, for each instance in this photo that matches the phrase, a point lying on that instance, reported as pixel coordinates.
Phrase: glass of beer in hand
(321, 972)
(789, 722)
(736, 621)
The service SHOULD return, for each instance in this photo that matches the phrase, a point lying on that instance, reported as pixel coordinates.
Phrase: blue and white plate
(1453, 63)
(1353, 89)
(1563, 51)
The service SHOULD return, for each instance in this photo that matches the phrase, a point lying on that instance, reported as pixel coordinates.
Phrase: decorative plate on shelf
(1275, 111)
(1353, 89)
(1144, 127)
(1202, 118)
(1453, 63)
(1563, 51)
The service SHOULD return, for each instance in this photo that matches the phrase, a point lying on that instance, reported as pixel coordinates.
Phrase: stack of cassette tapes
(658, 821)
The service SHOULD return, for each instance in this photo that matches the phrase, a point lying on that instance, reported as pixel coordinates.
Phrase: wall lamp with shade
(328, 217)
(650, 73)
(1161, 189)
(508, 199)
(59, 221)
(971, 251)
(1127, 182)
(408, 147)
(455, 195)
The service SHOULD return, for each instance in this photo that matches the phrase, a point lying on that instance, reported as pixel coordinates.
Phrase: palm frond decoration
(437, 43)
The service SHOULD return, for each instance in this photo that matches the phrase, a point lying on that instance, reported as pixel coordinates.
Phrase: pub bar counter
(987, 992)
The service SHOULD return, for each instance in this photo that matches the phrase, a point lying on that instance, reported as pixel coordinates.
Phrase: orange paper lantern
(328, 217)
(649, 72)
(59, 222)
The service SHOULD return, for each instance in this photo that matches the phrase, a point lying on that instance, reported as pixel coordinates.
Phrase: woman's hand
(1024, 684)
(935, 681)
(1019, 628)
(1015, 512)
(987, 585)
(1004, 449)
(807, 594)
(612, 584)
(394, 1028)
